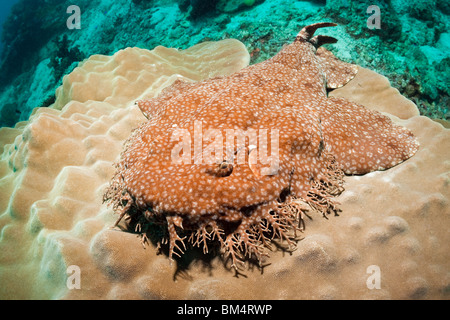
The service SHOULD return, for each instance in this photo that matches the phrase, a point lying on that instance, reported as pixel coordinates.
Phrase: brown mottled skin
(244, 205)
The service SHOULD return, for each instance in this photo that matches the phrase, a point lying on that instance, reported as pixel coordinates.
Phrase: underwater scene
(224, 150)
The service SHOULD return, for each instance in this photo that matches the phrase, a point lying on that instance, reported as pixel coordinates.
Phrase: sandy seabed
(389, 242)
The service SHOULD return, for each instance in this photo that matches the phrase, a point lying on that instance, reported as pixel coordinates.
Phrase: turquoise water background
(5, 10)
(411, 46)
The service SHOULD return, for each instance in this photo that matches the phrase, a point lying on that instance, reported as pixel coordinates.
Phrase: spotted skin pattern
(246, 204)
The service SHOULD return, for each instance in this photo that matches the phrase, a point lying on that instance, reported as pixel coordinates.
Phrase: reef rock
(55, 168)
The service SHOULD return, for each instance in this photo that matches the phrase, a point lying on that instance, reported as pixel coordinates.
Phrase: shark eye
(223, 165)
(225, 169)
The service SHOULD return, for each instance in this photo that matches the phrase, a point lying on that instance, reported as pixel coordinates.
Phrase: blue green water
(5, 10)
(408, 42)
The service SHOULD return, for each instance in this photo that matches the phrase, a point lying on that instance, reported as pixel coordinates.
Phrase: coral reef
(67, 99)
(29, 27)
(47, 160)
(409, 32)
(411, 48)
(62, 61)
(55, 168)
